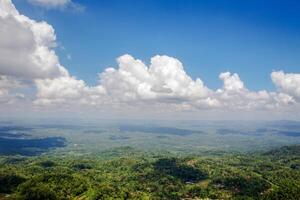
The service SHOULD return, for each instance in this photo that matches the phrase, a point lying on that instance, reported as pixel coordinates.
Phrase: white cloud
(232, 82)
(60, 4)
(26, 46)
(67, 91)
(234, 95)
(51, 3)
(164, 80)
(287, 83)
(163, 83)
(7, 84)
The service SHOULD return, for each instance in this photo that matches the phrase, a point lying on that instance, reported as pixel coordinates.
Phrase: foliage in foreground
(136, 175)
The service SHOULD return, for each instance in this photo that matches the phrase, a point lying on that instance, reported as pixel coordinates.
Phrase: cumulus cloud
(26, 51)
(234, 95)
(67, 90)
(288, 83)
(8, 84)
(165, 80)
(60, 4)
(232, 82)
(26, 46)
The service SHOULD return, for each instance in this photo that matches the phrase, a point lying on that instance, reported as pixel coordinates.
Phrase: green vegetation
(125, 173)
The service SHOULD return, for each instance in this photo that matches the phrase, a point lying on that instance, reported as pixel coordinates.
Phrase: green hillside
(124, 173)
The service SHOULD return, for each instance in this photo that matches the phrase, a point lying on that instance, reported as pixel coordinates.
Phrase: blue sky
(251, 37)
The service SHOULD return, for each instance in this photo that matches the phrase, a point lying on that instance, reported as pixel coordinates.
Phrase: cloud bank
(28, 60)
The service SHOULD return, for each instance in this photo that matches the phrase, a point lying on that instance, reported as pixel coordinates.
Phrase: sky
(209, 59)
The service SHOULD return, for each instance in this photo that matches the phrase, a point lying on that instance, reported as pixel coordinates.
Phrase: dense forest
(126, 173)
